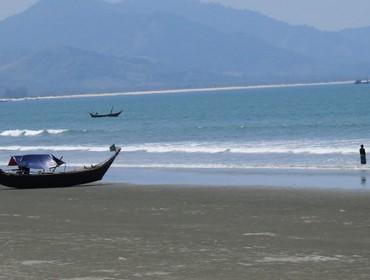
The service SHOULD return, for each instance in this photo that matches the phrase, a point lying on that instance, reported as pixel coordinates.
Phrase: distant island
(74, 46)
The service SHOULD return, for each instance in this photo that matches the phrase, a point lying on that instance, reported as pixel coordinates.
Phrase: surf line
(176, 91)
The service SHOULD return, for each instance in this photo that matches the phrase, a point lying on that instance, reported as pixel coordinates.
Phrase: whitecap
(56, 131)
(12, 133)
(269, 234)
(62, 148)
(300, 259)
(30, 132)
(36, 262)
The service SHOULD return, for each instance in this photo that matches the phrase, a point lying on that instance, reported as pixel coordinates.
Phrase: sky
(322, 14)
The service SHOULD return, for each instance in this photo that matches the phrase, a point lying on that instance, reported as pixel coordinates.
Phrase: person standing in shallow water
(363, 154)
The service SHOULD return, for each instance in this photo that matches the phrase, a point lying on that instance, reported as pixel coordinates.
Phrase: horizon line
(173, 91)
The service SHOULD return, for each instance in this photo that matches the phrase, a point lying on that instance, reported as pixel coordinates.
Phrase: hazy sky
(324, 14)
(10, 7)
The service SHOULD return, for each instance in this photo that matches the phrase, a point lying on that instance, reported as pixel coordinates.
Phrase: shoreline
(315, 179)
(176, 232)
(349, 180)
(175, 91)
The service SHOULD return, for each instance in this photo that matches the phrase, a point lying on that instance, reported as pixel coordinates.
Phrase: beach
(118, 231)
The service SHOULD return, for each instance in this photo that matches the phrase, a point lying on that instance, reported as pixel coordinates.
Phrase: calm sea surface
(312, 127)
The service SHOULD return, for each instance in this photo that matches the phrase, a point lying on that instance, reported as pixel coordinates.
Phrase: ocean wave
(268, 148)
(206, 148)
(240, 150)
(55, 148)
(313, 167)
(220, 166)
(31, 133)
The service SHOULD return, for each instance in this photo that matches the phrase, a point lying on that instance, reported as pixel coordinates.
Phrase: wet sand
(115, 231)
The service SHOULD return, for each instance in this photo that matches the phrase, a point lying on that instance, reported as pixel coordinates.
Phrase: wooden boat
(22, 178)
(109, 115)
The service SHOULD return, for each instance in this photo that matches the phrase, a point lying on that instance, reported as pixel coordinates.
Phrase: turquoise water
(309, 127)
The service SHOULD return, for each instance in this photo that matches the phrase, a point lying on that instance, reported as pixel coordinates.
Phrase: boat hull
(111, 115)
(57, 180)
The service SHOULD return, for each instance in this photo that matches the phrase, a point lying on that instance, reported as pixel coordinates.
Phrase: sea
(252, 135)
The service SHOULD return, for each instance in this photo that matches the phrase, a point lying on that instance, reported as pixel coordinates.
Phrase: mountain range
(75, 46)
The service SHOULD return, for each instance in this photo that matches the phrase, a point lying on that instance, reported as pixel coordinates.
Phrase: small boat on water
(45, 176)
(109, 115)
(361, 82)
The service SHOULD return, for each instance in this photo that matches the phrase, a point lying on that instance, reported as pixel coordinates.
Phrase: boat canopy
(36, 161)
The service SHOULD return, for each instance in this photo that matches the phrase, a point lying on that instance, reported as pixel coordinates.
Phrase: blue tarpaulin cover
(35, 161)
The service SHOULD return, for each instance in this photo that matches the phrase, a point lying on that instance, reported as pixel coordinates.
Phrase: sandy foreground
(115, 231)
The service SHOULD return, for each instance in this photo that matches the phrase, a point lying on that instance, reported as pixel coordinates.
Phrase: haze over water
(311, 127)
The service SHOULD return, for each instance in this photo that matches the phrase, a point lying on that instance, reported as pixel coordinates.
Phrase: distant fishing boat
(361, 82)
(109, 115)
(38, 171)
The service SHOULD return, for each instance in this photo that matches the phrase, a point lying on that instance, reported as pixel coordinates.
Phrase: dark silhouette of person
(363, 154)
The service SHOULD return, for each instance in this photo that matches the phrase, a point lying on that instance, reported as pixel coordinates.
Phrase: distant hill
(67, 70)
(74, 46)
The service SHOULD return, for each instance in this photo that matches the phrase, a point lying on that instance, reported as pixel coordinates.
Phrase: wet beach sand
(117, 231)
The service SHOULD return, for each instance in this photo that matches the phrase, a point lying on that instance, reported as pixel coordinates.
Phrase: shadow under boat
(22, 178)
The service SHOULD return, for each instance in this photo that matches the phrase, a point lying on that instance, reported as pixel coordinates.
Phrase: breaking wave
(31, 133)
(240, 149)
(342, 155)
(203, 148)
(55, 148)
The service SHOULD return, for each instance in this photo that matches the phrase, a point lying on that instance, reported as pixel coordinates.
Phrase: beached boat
(109, 115)
(25, 178)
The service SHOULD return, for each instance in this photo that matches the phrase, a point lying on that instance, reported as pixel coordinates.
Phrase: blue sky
(323, 14)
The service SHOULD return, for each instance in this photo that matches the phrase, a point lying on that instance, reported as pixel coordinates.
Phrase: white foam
(319, 147)
(242, 149)
(176, 91)
(85, 278)
(269, 234)
(12, 133)
(10, 215)
(56, 131)
(220, 166)
(152, 274)
(30, 133)
(300, 259)
(343, 147)
(238, 167)
(55, 148)
(36, 262)
(285, 148)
